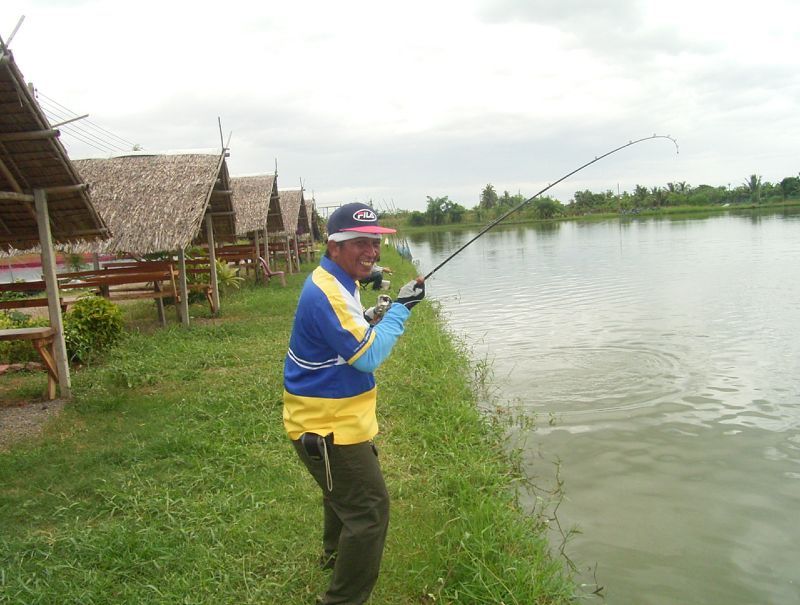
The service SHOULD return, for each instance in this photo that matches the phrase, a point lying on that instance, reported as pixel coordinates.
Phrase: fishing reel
(383, 304)
(374, 314)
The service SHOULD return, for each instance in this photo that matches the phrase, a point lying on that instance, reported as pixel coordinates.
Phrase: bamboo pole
(183, 307)
(53, 303)
(256, 264)
(289, 263)
(14, 196)
(28, 135)
(212, 258)
(10, 177)
(296, 252)
(67, 188)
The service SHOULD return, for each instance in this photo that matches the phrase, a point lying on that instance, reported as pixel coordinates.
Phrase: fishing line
(533, 197)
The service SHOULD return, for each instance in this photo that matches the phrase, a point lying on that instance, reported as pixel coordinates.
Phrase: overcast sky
(398, 101)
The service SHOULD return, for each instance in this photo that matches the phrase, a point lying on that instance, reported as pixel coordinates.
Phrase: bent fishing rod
(499, 220)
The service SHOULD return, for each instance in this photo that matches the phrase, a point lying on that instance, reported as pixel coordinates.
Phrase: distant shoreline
(663, 212)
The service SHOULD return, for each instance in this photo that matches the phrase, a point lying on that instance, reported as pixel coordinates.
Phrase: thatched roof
(293, 206)
(257, 203)
(31, 157)
(311, 212)
(157, 203)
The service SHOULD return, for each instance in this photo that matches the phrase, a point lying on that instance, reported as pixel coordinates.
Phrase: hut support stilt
(162, 316)
(296, 253)
(256, 264)
(212, 257)
(53, 303)
(183, 307)
(289, 263)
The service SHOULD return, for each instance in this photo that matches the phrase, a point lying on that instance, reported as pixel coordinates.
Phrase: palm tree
(753, 185)
(658, 196)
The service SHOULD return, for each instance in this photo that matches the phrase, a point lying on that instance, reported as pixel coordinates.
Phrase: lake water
(666, 354)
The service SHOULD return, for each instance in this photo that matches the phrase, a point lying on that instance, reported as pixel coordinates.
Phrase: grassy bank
(169, 478)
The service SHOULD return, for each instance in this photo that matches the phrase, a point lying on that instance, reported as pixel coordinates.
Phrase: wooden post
(183, 307)
(296, 253)
(212, 261)
(289, 263)
(105, 291)
(53, 303)
(256, 264)
(162, 317)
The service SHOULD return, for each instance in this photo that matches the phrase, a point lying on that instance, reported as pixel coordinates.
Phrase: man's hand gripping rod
(530, 199)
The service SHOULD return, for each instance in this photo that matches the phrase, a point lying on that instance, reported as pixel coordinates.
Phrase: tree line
(753, 190)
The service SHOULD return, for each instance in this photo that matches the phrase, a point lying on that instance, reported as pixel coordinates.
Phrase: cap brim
(371, 229)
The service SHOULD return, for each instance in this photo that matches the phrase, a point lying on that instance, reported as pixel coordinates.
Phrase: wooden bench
(129, 280)
(138, 276)
(194, 266)
(30, 303)
(307, 249)
(242, 255)
(31, 300)
(42, 340)
(278, 251)
(236, 252)
(201, 266)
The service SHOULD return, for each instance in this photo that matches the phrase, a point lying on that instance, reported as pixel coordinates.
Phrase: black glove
(410, 294)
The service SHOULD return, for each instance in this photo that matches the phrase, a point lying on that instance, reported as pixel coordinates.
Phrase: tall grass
(169, 478)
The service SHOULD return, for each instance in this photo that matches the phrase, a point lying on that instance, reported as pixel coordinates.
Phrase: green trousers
(356, 518)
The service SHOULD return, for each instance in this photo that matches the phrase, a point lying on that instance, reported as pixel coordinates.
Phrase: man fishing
(330, 398)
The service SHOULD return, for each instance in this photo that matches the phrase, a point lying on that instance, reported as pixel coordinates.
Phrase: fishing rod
(533, 197)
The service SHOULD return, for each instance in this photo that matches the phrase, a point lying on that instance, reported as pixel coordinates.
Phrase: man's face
(356, 256)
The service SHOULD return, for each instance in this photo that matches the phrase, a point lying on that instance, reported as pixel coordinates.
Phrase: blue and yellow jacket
(329, 384)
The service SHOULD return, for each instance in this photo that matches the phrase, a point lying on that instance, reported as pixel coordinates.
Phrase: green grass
(169, 478)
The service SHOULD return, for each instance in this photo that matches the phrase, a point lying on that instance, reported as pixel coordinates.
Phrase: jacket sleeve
(386, 331)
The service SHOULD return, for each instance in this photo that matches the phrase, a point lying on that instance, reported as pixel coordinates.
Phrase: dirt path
(26, 420)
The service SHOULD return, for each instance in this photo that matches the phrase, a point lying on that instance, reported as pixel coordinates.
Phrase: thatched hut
(163, 203)
(313, 219)
(257, 203)
(42, 197)
(296, 220)
(258, 208)
(159, 203)
(295, 216)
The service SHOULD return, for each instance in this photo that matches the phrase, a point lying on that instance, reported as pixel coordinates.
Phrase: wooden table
(42, 340)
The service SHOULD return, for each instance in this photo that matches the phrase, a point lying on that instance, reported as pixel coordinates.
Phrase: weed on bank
(169, 477)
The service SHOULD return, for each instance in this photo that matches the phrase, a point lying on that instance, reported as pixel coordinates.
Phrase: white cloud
(370, 100)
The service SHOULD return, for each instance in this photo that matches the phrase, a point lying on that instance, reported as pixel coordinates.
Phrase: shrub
(91, 325)
(227, 276)
(11, 296)
(417, 218)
